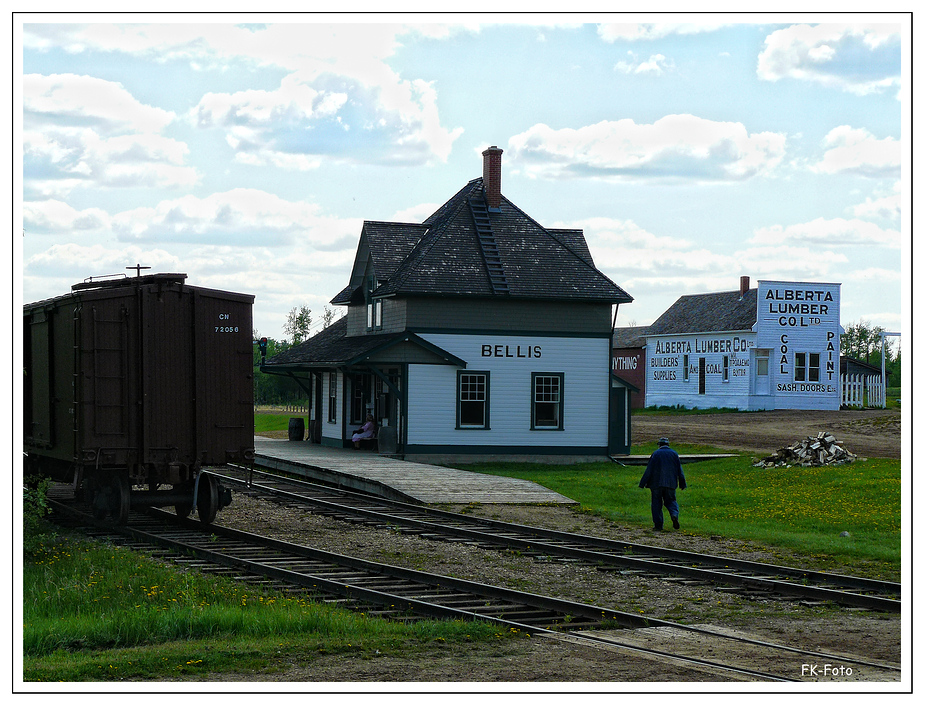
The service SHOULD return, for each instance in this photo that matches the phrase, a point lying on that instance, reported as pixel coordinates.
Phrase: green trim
(533, 377)
(544, 450)
(509, 333)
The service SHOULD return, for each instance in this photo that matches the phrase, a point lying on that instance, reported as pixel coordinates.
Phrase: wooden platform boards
(401, 480)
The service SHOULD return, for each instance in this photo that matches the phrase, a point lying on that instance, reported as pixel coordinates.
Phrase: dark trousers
(666, 497)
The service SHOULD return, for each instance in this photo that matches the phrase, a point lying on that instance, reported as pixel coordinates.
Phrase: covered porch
(347, 378)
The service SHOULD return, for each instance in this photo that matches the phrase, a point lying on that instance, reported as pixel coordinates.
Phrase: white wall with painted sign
(702, 370)
(799, 328)
(789, 360)
(571, 376)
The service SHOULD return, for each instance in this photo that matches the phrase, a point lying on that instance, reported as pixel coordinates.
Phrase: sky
(246, 151)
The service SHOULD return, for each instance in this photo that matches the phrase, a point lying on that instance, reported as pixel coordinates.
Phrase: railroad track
(746, 578)
(404, 594)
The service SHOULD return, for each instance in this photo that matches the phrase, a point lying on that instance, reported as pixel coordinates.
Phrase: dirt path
(868, 433)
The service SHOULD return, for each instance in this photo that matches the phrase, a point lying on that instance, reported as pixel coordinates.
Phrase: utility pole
(883, 335)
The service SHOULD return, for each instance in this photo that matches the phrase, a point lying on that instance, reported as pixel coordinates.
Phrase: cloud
(248, 218)
(242, 217)
(887, 208)
(64, 264)
(830, 232)
(81, 131)
(338, 97)
(656, 64)
(647, 31)
(673, 147)
(105, 106)
(857, 151)
(859, 59)
(874, 275)
(657, 269)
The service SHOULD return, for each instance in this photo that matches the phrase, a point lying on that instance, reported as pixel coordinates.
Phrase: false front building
(476, 332)
(774, 347)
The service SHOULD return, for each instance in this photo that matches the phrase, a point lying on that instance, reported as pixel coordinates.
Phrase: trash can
(388, 440)
(296, 429)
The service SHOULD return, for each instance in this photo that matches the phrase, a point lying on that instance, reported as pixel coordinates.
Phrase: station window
(725, 368)
(686, 373)
(332, 397)
(472, 397)
(546, 404)
(806, 367)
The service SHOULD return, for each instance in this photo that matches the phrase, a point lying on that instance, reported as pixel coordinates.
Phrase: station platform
(396, 479)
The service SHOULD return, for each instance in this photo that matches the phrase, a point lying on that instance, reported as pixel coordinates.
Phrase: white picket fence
(861, 390)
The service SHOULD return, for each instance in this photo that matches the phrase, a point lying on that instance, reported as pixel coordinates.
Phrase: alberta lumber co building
(774, 347)
(477, 332)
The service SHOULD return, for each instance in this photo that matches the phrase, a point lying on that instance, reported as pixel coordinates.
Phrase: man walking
(663, 475)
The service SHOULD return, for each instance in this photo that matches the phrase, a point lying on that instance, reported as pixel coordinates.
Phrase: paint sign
(800, 323)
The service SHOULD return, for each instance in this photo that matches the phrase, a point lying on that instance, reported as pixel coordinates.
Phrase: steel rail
(755, 576)
(175, 534)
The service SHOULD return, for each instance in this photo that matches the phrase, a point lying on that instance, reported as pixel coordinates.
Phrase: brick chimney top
(491, 176)
(744, 285)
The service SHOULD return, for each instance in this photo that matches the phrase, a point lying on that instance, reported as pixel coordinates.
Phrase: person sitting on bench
(367, 431)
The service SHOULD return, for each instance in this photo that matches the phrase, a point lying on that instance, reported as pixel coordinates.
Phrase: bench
(371, 443)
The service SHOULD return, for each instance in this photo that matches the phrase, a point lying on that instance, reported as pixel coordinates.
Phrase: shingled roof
(443, 257)
(630, 336)
(331, 348)
(702, 313)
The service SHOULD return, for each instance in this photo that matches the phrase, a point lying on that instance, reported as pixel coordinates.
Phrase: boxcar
(134, 386)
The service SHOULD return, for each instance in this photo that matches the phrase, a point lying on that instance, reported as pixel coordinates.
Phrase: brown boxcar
(138, 383)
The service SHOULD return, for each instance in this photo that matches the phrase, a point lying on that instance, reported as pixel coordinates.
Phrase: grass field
(97, 613)
(273, 421)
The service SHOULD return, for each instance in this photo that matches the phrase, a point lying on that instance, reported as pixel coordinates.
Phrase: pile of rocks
(819, 450)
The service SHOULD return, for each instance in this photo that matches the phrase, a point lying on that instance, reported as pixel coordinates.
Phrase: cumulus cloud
(830, 232)
(93, 102)
(673, 147)
(52, 271)
(657, 64)
(657, 269)
(651, 30)
(860, 59)
(81, 131)
(886, 208)
(243, 217)
(336, 82)
(857, 151)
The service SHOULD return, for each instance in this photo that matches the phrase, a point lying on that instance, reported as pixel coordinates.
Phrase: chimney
(744, 285)
(491, 176)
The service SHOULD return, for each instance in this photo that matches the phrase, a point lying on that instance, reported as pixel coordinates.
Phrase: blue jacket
(663, 470)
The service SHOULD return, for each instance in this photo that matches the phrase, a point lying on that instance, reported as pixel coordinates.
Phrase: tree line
(277, 389)
(862, 341)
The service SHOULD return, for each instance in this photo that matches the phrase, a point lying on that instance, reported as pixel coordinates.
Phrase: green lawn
(273, 421)
(93, 612)
(802, 509)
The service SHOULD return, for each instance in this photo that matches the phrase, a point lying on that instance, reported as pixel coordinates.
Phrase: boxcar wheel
(207, 498)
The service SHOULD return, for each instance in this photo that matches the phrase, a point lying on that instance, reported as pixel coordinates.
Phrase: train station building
(774, 347)
(477, 332)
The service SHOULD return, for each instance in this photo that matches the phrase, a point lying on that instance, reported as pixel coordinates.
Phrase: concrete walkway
(389, 477)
